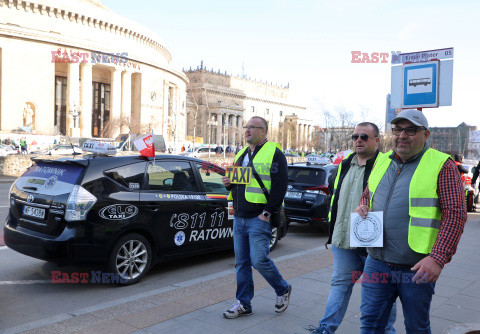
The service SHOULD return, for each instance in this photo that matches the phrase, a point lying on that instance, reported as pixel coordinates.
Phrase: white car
(7, 150)
(198, 152)
(65, 149)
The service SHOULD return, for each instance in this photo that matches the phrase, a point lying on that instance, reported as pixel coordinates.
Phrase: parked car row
(7, 150)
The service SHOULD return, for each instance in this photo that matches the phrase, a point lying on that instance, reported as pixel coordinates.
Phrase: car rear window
(52, 178)
(307, 175)
(130, 176)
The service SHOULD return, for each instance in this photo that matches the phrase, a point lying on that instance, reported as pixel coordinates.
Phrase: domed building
(74, 67)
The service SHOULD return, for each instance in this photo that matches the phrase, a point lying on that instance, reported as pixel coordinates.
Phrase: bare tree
(196, 110)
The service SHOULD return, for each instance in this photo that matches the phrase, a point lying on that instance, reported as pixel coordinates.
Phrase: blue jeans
(385, 283)
(347, 267)
(251, 240)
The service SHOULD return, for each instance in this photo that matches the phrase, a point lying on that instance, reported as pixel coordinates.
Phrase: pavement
(196, 306)
(7, 178)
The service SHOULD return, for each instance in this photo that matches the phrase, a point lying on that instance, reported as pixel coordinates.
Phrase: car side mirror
(168, 182)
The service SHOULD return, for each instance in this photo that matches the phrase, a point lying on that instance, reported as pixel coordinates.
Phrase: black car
(127, 212)
(308, 197)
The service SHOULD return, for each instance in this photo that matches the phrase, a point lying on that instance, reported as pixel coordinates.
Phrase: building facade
(76, 68)
(452, 140)
(219, 105)
(297, 133)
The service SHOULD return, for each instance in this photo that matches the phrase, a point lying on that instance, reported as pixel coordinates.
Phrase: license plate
(33, 212)
(293, 194)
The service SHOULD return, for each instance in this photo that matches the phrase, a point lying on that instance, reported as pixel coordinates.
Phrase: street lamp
(75, 113)
(210, 123)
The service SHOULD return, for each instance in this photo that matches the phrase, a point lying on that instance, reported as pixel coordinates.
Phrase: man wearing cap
(420, 192)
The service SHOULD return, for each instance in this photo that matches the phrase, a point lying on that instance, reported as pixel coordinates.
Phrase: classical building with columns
(297, 133)
(219, 105)
(76, 68)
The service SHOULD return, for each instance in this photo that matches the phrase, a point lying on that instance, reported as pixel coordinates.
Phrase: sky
(308, 44)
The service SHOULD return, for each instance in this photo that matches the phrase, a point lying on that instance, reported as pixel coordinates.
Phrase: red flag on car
(340, 156)
(145, 145)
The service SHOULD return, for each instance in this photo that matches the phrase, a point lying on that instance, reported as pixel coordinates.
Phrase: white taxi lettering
(210, 234)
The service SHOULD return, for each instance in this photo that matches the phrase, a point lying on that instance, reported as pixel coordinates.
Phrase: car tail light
(10, 202)
(79, 203)
(317, 189)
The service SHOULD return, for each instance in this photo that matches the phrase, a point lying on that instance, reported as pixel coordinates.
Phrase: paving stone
(112, 326)
(456, 313)
(437, 301)
(446, 291)
(193, 326)
(469, 302)
(456, 282)
(437, 324)
(287, 324)
(313, 286)
(159, 327)
(473, 290)
(155, 315)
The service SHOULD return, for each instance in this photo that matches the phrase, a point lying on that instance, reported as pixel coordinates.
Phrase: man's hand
(428, 270)
(362, 210)
(226, 181)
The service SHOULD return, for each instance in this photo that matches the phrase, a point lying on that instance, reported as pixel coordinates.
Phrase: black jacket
(476, 171)
(279, 176)
(345, 166)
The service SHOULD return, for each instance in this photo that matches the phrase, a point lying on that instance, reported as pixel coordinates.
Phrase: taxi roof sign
(318, 160)
(100, 148)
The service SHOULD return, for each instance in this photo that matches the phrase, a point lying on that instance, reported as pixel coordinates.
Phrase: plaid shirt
(451, 196)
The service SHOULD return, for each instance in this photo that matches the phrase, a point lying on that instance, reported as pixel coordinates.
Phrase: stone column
(115, 102)
(73, 97)
(240, 130)
(86, 100)
(126, 113)
(219, 139)
(136, 101)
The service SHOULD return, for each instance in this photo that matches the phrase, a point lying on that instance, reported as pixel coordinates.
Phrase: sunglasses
(410, 131)
(251, 127)
(363, 137)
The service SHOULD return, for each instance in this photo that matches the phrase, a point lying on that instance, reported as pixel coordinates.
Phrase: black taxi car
(126, 212)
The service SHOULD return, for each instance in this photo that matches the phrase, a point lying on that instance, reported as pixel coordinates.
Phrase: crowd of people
(19, 145)
(418, 192)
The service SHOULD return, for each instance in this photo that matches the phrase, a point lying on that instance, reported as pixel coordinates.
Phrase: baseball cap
(413, 115)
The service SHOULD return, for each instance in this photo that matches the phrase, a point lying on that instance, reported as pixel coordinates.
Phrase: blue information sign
(420, 85)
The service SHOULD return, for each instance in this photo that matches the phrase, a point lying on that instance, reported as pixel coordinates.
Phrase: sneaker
(237, 310)
(282, 301)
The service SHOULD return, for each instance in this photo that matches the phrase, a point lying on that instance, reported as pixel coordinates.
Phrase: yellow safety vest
(337, 178)
(262, 163)
(424, 207)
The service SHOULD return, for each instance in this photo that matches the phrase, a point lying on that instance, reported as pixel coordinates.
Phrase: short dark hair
(376, 132)
(263, 120)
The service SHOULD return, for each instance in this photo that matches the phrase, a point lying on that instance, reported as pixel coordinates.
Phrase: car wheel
(130, 258)
(274, 238)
